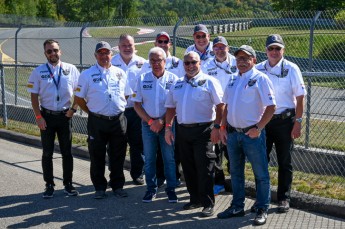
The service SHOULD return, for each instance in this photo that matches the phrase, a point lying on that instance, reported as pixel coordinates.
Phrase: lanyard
(204, 54)
(282, 75)
(58, 80)
(218, 66)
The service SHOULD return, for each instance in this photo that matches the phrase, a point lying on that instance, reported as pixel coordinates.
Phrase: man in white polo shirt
(51, 86)
(101, 92)
(132, 65)
(250, 104)
(196, 100)
(286, 123)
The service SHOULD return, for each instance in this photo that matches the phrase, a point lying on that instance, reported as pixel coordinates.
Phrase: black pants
(101, 133)
(197, 159)
(61, 126)
(221, 152)
(135, 143)
(278, 132)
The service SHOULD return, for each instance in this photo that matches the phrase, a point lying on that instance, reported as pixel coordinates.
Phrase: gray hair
(192, 53)
(157, 50)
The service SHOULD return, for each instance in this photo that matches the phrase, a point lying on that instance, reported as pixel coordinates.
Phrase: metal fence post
(174, 35)
(15, 68)
(3, 96)
(310, 66)
(81, 42)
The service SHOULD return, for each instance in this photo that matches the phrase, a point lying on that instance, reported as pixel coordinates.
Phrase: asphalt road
(22, 206)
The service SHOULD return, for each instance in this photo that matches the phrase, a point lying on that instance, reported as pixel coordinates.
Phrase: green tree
(46, 8)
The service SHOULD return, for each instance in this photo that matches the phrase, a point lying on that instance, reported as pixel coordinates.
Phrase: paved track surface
(22, 206)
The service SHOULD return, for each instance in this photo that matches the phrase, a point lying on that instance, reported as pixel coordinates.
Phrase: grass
(111, 32)
(314, 184)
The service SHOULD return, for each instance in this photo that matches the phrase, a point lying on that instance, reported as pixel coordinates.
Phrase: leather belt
(285, 114)
(195, 124)
(106, 117)
(47, 111)
(231, 129)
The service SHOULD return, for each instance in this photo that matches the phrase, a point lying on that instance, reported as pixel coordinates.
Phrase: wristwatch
(258, 128)
(74, 110)
(217, 126)
(299, 120)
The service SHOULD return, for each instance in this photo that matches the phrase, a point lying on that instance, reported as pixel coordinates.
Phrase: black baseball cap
(103, 45)
(220, 40)
(200, 28)
(275, 39)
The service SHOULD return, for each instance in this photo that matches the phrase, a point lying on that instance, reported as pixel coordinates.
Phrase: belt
(284, 115)
(195, 124)
(106, 117)
(129, 108)
(231, 129)
(46, 111)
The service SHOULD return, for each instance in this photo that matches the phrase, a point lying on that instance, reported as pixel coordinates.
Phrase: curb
(299, 200)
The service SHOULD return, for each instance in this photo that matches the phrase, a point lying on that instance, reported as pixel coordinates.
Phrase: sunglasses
(161, 41)
(50, 51)
(190, 62)
(200, 36)
(274, 48)
(222, 48)
(103, 53)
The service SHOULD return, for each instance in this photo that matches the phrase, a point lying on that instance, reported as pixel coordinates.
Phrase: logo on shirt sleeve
(30, 85)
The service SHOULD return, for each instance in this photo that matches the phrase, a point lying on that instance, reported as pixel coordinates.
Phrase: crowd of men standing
(169, 111)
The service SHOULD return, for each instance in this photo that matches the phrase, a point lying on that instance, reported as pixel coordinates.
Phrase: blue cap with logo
(200, 28)
(103, 45)
(275, 39)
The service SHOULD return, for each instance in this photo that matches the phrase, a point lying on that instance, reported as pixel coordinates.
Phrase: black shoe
(172, 197)
(191, 206)
(283, 206)
(253, 208)
(261, 217)
(231, 212)
(207, 212)
(70, 190)
(49, 191)
(120, 193)
(138, 181)
(100, 194)
(149, 196)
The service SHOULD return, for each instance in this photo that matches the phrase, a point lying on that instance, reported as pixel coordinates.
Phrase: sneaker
(191, 206)
(149, 196)
(207, 212)
(100, 194)
(283, 206)
(218, 189)
(231, 212)
(120, 193)
(172, 197)
(49, 191)
(253, 208)
(261, 217)
(138, 181)
(70, 190)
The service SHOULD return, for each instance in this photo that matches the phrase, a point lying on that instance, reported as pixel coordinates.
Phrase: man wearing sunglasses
(222, 67)
(51, 86)
(202, 44)
(250, 105)
(132, 65)
(151, 91)
(286, 123)
(102, 91)
(196, 101)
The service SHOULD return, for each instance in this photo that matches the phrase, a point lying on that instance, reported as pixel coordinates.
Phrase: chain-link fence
(315, 41)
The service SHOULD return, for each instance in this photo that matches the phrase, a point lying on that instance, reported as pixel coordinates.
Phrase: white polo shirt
(195, 99)
(247, 97)
(152, 92)
(173, 65)
(221, 71)
(133, 70)
(203, 56)
(287, 82)
(104, 90)
(51, 97)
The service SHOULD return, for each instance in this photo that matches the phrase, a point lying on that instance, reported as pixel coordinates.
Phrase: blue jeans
(241, 146)
(150, 143)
